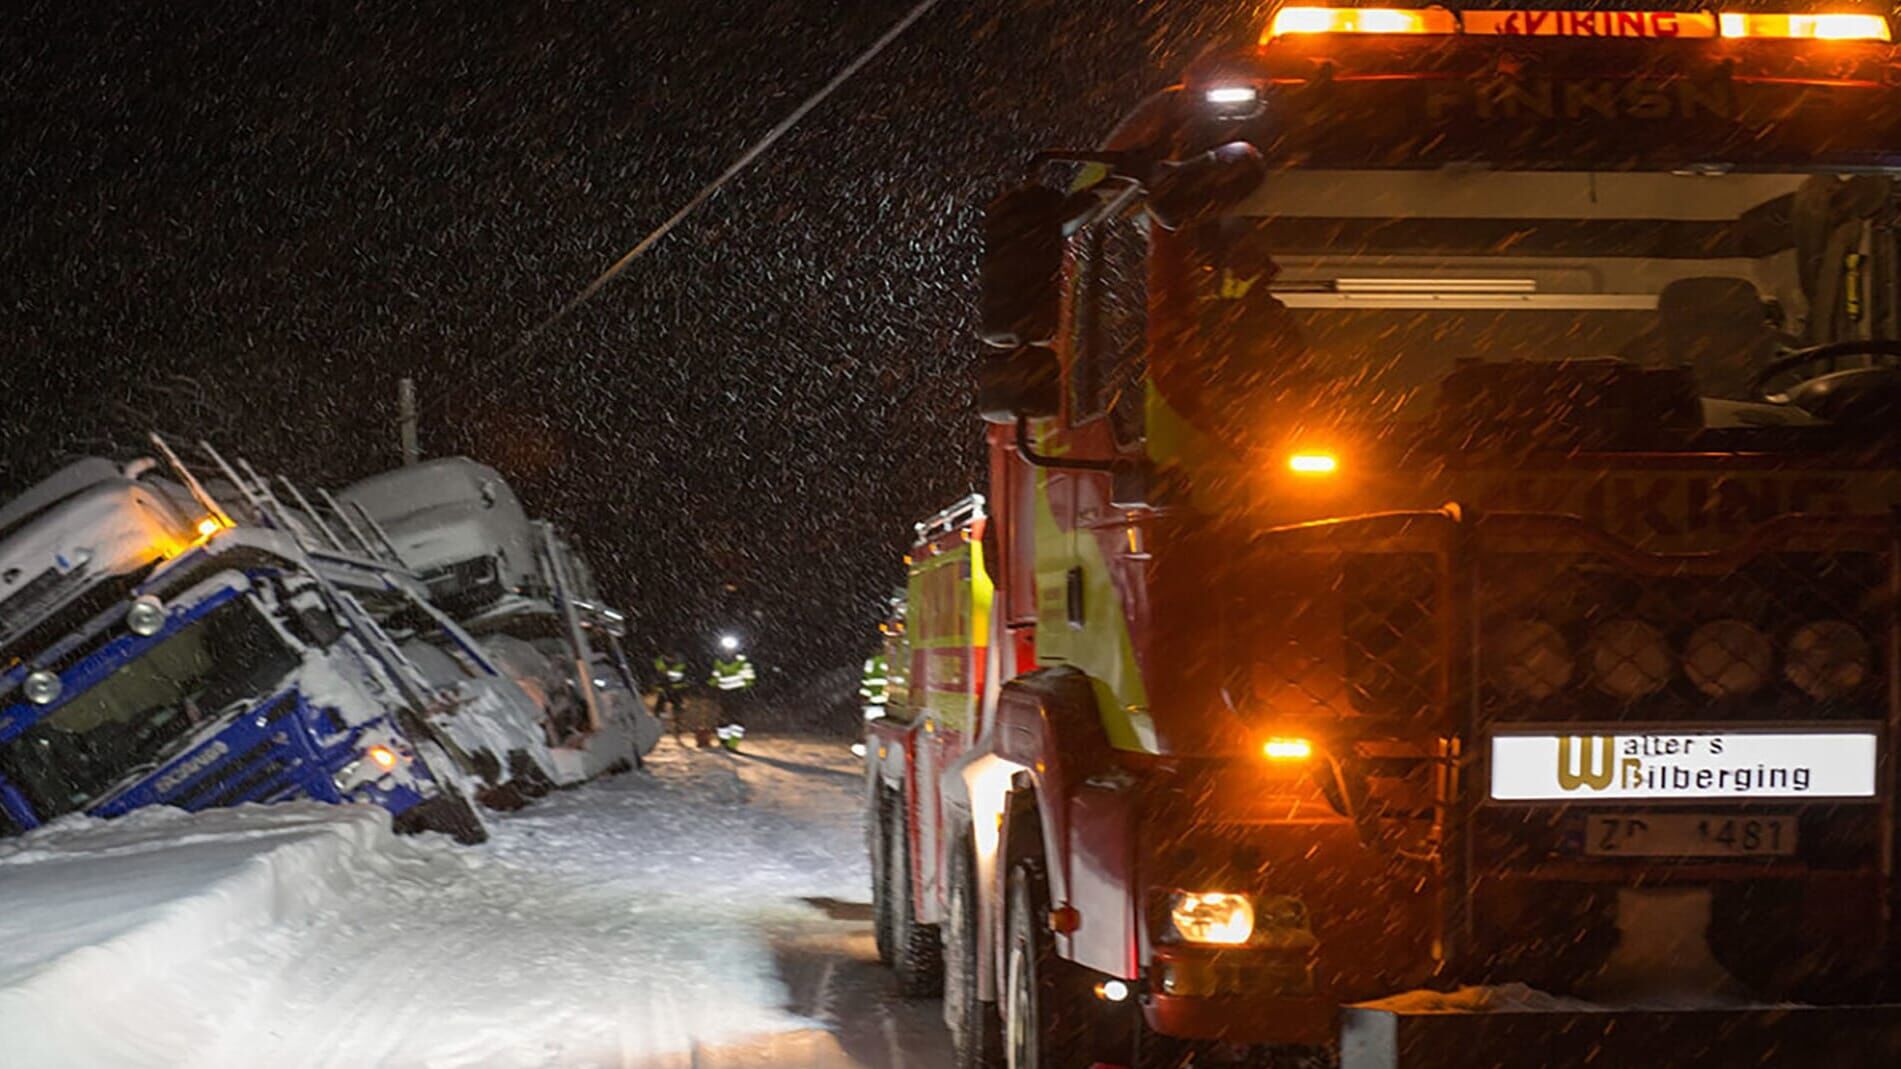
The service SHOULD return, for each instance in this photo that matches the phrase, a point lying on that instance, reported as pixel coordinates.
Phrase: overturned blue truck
(196, 637)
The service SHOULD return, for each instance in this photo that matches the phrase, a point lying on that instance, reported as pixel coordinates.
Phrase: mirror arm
(1042, 460)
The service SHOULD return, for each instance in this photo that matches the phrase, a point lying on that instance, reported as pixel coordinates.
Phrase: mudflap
(1759, 1037)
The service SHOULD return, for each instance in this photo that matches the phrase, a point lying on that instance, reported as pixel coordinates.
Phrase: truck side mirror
(1025, 383)
(1204, 186)
(1020, 279)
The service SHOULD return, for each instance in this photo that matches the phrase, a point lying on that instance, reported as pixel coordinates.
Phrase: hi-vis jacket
(875, 688)
(669, 673)
(733, 674)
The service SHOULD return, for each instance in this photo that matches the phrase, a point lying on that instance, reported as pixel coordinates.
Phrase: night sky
(246, 221)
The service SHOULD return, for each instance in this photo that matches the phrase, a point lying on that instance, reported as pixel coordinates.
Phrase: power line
(708, 191)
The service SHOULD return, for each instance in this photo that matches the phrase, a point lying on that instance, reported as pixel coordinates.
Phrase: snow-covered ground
(708, 911)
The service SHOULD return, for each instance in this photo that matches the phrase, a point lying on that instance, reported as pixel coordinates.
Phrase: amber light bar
(1822, 27)
(1827, 26)
(1289, 20)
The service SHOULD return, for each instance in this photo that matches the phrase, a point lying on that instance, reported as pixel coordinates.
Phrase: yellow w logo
(1582, 765)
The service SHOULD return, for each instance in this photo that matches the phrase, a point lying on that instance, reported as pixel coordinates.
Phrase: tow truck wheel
(876, 816)
(915, 953)
(1043, 1019)
(976, 1033)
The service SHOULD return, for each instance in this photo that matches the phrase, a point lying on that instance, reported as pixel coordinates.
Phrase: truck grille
(1394, 655)
(243, 778)
(1795, 635)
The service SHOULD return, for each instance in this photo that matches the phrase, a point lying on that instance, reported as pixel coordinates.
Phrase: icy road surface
(710, 911)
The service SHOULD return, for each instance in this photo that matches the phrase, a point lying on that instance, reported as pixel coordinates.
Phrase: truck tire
(876, 815)
(530, 778)
(915, 954)
(1045, 1018)
(976, 1032)
(449, 813)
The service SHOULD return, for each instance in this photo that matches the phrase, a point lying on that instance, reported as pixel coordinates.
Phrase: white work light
(42, 687)
(146, 616)
(1630, 659)
(1828, 659)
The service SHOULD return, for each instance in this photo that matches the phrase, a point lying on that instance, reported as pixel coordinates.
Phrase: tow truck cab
(1443, 493)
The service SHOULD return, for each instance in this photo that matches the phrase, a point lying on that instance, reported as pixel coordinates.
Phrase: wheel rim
(1017, 1024)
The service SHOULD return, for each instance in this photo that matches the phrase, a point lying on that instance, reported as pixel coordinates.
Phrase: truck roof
(441, 512)
(56, 487)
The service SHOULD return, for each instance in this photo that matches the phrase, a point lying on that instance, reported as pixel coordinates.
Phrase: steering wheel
(1830, 355)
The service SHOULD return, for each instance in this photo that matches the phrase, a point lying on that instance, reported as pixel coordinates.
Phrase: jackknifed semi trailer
(198, 637)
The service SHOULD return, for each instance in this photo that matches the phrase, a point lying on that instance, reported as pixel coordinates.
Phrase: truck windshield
(1381, 280)
(140, 715)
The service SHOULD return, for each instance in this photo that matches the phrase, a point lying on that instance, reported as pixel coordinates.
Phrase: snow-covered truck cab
(524, 604)
(459, 524)
(163, 657)
(1443, 490)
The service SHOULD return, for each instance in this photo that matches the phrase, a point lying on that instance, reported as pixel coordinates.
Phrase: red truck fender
(888, 754)
(1049, 734)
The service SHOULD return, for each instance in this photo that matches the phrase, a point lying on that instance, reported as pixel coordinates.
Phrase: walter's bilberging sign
(1665, 765)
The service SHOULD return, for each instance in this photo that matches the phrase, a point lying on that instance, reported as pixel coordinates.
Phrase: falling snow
(234, 220)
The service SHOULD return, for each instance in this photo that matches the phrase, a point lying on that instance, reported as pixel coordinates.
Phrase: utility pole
(406, 414)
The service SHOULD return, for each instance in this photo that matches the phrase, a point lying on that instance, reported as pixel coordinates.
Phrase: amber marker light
(382, 756)
(1311, 463)
(1288, 749)
(209, 526)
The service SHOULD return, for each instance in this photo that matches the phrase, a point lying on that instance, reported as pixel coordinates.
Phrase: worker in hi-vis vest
(732, 677)
(874, 687)
(670, 685)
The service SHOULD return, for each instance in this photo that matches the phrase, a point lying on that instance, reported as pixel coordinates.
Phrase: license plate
(1653, 764)
(1688, 835)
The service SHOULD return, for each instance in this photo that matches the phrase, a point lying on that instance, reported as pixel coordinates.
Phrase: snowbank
(100, 922)
(633, 922)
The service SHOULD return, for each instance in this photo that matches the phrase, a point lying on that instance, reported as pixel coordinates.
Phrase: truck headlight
(1827, 659)
(146, 617)
(376, 760)
(1217, 917)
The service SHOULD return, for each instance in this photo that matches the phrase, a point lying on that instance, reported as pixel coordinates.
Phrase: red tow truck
(1441, 554)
